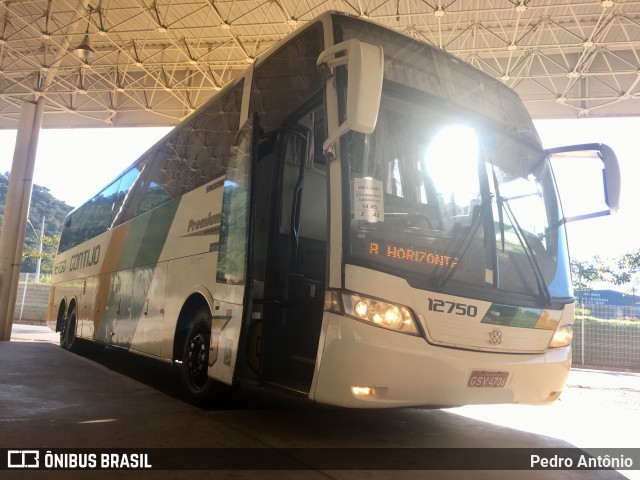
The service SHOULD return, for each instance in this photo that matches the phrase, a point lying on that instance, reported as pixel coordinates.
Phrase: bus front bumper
(363, 366)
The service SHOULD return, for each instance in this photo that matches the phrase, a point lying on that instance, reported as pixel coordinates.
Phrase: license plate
(483, 379)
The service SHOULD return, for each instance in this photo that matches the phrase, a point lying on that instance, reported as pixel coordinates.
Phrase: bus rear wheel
(64, 326)
(68, 339)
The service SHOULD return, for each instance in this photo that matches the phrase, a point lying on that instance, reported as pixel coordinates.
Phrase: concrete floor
(50, 398)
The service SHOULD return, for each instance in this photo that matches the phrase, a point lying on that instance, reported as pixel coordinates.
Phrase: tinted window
(194, 155)
(232, 256)
(287, 79)
(91, 219)
(101, 211)
(69, 235)
(123, 197)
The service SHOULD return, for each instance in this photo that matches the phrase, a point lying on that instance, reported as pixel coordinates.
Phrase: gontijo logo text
(84, 259)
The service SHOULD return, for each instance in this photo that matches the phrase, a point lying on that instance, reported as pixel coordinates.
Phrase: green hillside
(42, 204)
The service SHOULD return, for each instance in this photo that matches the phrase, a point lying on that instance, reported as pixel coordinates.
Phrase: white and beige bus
(358, 218)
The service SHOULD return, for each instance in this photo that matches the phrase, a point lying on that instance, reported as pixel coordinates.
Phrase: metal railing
(607, 336)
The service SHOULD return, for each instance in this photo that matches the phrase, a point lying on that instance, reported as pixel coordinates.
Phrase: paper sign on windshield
(368, 200)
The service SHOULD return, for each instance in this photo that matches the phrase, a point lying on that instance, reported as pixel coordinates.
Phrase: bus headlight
(370, 310)
(562, 337)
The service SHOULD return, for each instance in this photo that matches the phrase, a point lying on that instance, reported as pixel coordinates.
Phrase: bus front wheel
(196, 383)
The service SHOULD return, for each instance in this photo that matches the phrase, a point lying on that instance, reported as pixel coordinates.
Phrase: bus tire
(63, 328)
(71, 341)
(196, 384)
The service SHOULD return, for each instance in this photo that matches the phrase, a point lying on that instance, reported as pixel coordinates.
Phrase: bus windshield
(455, 204)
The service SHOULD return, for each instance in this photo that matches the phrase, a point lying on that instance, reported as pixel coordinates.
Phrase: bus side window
(312, 251)
(97, 215)
(123, 199)
(313, 204)
(154, 196)
(265, 179)
(311, 208)
(234, 226)
(194, 155)
(102, 210)
(292, 151)
(287, 79)
(68, 235)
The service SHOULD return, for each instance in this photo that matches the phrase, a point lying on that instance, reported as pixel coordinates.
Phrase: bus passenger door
(290, 233)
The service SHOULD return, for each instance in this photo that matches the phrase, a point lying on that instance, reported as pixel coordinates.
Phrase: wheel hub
(197, 360)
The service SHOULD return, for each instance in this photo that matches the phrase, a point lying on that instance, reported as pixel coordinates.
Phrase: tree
(43, 204)
(628, 271)
(585, 273)
(49, 250)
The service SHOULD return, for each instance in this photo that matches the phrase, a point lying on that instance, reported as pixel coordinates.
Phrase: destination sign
(403, 253)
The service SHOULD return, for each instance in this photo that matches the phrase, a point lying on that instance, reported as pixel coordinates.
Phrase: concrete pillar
(16, 210)
(39, 261)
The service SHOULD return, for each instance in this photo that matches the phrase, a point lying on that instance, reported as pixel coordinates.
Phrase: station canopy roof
(152, 62)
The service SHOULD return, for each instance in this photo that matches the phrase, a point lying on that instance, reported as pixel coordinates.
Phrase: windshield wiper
(461, 250)
(500, 203)
(529, 252)
(490, 247)
(503, 205)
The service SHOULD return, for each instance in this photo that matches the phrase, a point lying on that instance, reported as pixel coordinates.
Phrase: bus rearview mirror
(365, 65)
(611, 179)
